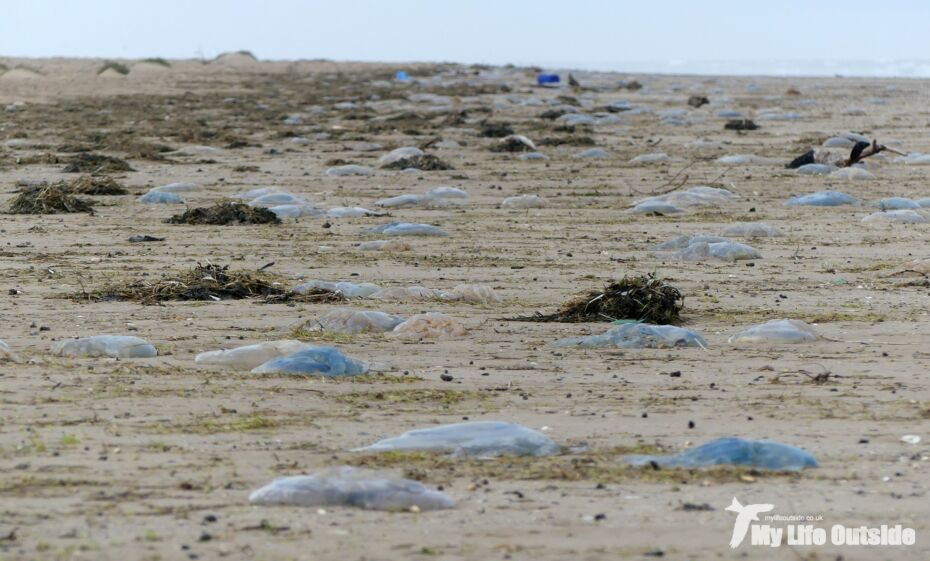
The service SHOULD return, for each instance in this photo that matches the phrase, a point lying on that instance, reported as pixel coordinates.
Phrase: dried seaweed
(640, 298)
(225, 213)
(48, 199)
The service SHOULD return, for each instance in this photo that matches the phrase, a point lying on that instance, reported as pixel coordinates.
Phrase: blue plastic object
(401, 76)
(544, 79)
(763, 454)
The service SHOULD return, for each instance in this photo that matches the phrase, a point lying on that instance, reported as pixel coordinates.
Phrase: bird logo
(744, 515)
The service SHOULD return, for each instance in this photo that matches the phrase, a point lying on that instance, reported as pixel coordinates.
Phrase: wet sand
(154, 458)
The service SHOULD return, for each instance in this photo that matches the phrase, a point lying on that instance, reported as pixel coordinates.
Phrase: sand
(154, 458)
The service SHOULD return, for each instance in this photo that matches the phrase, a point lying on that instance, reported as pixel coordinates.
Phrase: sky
(745, 36)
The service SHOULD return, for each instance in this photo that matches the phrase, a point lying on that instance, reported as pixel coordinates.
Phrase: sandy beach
(155, 458)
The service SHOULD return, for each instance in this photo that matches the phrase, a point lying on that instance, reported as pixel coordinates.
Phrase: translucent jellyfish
(345, 320)
(403, 200)
(347, 289)
(175, 188)
(444, 192)
(385, 245)
(399, 154)
(681, 242)
(896, 203)
(651, 158)
(816, 169)
(823, 198)
(751, 230)
(284, 212)
(407, 229)
(472, 293)
(761, 454)
(349, 169)
(350, 212)
(637, 336)
(6, 353)
(744, 159)
(852, 173)
(159, 197)
(923, 203)
(407, 294)
(524, 201)
(248, 357)
(533, 156)
(777, 331)
(656, 207)
(115, 346)
(254, 193)
(324, 361)
(447, 145)
(364, 146)
(906, 216)
(349, 486)
(482, 439)
(723, 251)
(430, 326)
(277, 198)
(839, 142)
(730, 114)
(294, 120)
(592, 153)
(577, 119)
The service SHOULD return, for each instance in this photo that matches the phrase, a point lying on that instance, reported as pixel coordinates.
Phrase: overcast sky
(579, 33)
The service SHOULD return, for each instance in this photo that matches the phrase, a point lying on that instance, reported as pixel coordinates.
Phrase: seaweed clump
(225, 213)
(117, 67)
(426, 162)
(85, 162)
(48, 199)
(641, 298)
(100, 185)
(206, 282)
(740, 125)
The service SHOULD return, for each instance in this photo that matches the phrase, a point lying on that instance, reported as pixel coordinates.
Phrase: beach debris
(88, 162)
(323, 361)
(637, 336)
(644, 298)
(740, 125)
(777, 331)
(433, 326)
(514, 143)
(96, 185)
(48, 199)
(144, 238)
(475, 439)
(225, 213)
(861, 149)
(697, 101)
(6, 353)
(248, 357)
(204, 282)
(760, 454)
(114, 346)
(354, 487)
